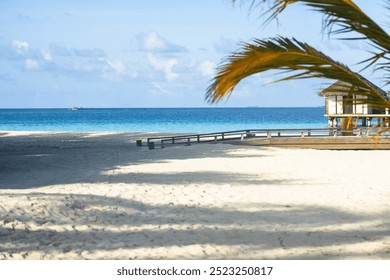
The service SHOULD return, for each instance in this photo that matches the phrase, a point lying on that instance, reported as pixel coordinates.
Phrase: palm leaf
(296, 59)
(341, 16)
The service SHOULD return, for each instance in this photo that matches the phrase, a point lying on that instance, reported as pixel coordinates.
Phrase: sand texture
(98, 196)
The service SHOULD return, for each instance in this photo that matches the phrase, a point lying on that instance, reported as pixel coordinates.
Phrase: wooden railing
(247, 134)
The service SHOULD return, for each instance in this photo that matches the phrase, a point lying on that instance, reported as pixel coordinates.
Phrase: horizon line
(233, 107)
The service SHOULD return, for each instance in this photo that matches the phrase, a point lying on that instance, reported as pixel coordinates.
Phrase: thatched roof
(341, 88)
(336, 89)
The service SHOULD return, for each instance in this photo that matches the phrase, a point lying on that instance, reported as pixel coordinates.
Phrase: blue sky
(152, 53)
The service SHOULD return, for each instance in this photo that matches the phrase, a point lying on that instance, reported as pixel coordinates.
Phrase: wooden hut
(341, 103)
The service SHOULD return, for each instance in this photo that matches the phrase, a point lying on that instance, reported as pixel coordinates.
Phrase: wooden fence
(247, 134)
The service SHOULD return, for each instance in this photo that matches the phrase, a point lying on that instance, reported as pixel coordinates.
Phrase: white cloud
(31, 64)
(20, 46)
(153, 42)
(116, 70)
(164, 65)
(82, 63)
(118, 66)
(46, 55)
(207, 68)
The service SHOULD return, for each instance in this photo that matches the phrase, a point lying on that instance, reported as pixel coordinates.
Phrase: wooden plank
(324, 143)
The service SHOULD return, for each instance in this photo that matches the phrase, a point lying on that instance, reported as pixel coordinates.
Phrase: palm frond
(341, 16)
(296, 59)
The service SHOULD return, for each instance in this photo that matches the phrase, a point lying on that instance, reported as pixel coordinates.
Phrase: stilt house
(341, 103)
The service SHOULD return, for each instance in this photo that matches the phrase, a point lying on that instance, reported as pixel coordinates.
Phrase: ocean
(196, 120)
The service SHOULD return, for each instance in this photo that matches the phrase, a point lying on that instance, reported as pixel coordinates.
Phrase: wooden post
(368, 122)
(364, 121)
(198, 138)
(162, 144)
(139, 143)
(151, 145)
(242, 136)
(335, 122)
(188, 142)
(269, 134)
(330, 122)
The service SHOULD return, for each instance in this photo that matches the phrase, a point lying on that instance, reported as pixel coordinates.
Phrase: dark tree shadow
(81, 158)
(98, 223)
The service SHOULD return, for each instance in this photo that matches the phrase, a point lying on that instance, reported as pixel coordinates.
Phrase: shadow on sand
(25, 162)
(90, 223)
(125, 224)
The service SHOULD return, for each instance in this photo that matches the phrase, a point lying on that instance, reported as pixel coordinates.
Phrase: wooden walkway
(323, 143)
(250, 134)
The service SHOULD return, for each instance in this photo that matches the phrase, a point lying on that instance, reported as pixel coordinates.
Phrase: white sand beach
(98, 196)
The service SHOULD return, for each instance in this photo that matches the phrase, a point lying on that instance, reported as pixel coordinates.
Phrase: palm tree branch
(344, 14)
(289, 56)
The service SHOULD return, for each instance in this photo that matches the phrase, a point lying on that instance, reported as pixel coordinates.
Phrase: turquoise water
(200, 120)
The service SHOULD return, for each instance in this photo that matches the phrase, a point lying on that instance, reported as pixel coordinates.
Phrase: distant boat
(75, 108)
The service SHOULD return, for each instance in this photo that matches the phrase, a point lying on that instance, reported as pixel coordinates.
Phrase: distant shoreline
(110, 108)
(197, 120)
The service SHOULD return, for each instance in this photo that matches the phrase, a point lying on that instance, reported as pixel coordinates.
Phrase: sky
(151, 53)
